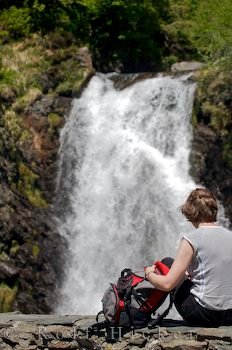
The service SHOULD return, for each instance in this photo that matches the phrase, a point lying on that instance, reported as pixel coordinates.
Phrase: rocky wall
(211, 155)
(39, 78)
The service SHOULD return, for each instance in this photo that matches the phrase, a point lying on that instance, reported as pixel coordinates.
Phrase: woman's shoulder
(191, 233)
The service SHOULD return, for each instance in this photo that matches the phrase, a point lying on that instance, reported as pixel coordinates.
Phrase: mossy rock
(13, 123)
(218, 114)
(194, 118)
(28, 99)
(14, 248)
(73, 78)
(7, 94)
(227, 152)
(213, 99)
(55, 122)
(35, 250)
(27, 185)
(7, 297)
(71, 87)
(25, 136)
(4, 256)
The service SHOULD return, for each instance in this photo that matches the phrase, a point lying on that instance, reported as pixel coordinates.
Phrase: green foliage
(16, 22)
(28, 186)
(212, 28)
(4, 256)
(138, 34)
(227, 151)
(213, 104)
(14, 248)
(26, 100)
(19, 18)
(13, 123)
(117, 30)
(199, 28)
(126, 32)
(35, 250)
(55, 122)
(8, 77)
(7, 297)
(72, 74)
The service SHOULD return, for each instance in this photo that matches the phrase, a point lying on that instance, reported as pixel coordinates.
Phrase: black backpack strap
(138, 298)
(141, 301)
(159, 320)
(126, 272)
(97, 327)
(99, 313)
(127, 302)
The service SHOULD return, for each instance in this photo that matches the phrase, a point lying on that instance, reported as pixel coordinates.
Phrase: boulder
(186, 66)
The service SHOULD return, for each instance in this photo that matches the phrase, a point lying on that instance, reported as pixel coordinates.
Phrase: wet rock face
(31, 249)
(211, 156)
(73, 332)
(209, 167)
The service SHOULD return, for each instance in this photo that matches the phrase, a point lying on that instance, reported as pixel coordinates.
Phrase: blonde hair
(200, 206)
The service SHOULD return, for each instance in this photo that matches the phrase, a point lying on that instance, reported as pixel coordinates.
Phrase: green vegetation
(12, 123)
(14, 248)
(133, 34)
(4, 256)
(16, 22)
(72, 76)
(7, 297)
(21, 63)
(213, 104)
(227, 151)
(35, 250)
(27, 99)
(122, 32)
(31, 67)
(200, 29)
(54, 122)
(27, 185)
(127, 33)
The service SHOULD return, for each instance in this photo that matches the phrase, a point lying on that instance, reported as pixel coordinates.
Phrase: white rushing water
(124, 164)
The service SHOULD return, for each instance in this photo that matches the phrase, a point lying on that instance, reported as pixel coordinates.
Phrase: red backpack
(132, 301)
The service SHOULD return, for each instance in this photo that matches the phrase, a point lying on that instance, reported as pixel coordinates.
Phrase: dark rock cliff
(31, 114)
(211, 157)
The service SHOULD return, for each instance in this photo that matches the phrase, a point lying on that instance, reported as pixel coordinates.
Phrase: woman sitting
(205, 296)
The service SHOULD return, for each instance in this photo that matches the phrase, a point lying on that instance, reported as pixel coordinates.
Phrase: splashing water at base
(124, 173)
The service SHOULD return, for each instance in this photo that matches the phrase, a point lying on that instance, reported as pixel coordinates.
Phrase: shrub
(16, 22)
(127, 32)
(201, 26)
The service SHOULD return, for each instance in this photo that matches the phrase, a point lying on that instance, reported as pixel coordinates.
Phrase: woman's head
(200, 206)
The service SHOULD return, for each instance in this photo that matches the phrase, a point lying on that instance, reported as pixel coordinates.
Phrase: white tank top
(211, 267)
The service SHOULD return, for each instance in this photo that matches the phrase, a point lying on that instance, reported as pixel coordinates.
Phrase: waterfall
(124, 171)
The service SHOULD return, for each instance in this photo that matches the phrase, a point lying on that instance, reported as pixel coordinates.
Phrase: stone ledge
(45, 332)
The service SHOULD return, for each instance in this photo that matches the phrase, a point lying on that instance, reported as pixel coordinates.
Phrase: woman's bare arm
(177, 271)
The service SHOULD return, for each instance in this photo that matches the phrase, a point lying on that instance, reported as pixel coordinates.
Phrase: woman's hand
(150, 269)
